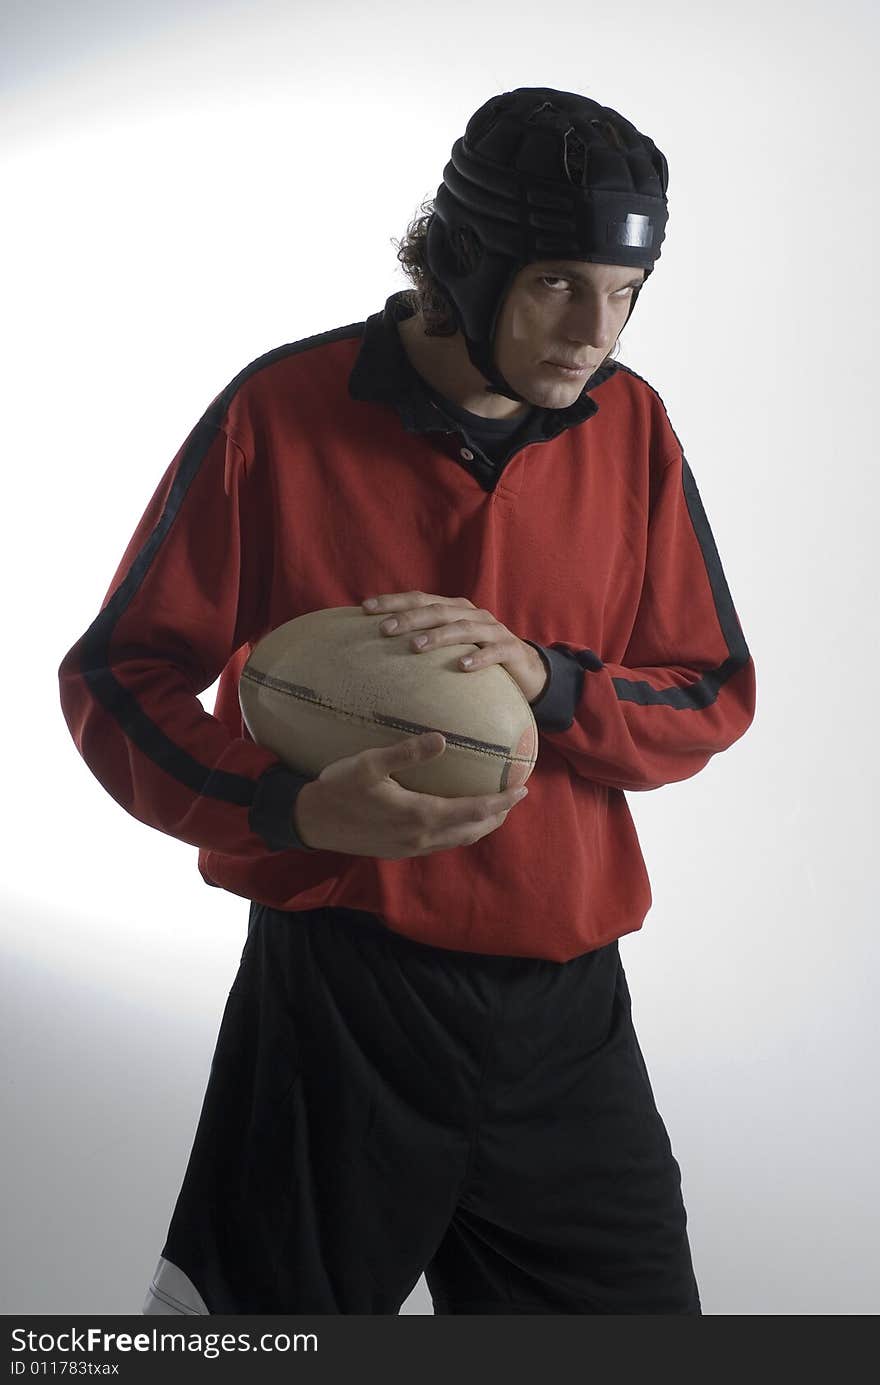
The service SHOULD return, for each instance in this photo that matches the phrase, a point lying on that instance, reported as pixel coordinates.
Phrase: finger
(493, 651)
(395, 601)
(478, 822)
(462, 630)
(401, 601)
(458, 632)
(433, 618)
(478, 808)
(381, 762)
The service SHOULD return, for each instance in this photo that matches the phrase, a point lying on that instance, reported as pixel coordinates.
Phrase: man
(427, 1061)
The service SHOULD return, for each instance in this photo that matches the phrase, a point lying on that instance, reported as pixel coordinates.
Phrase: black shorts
(378, 1108)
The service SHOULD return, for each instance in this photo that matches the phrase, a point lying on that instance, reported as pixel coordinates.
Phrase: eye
(558, 279)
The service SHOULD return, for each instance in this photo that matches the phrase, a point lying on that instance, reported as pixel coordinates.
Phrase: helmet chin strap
(496, 383)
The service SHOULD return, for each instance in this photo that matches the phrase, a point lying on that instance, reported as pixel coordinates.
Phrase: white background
(188, 186)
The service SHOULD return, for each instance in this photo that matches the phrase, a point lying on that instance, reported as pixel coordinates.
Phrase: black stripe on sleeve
(123, 706)
(705, 690)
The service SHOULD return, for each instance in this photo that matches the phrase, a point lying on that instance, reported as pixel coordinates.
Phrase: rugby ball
(329, 684)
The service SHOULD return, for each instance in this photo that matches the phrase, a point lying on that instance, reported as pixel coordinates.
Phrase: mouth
(575, 372)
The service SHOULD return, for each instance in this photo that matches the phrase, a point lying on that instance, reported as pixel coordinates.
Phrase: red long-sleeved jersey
(324, 473)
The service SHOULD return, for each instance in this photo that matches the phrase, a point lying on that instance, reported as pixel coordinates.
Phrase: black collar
(383, 372)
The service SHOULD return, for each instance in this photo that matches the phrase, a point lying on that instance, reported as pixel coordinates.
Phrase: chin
(556, 395)
(537, 389)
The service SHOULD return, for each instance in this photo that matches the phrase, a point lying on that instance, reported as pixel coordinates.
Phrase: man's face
(570, 311)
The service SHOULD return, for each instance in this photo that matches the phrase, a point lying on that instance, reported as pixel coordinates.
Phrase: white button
(467, 454)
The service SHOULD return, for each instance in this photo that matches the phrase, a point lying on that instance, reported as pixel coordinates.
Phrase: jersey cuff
(271, 813)
(554, 710)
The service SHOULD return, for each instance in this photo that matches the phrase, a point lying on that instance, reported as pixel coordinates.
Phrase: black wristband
(271, 814)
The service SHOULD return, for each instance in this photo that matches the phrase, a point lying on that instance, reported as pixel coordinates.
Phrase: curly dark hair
(427, 294)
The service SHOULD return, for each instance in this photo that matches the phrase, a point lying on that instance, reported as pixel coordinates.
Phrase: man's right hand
(354, 806)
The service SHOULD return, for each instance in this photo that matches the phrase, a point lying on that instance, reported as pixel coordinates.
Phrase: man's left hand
(455, 620)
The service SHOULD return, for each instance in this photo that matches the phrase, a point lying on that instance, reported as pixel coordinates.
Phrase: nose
(594, 324)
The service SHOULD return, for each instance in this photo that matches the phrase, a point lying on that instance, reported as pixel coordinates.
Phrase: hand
(455, 620)
(357, 807)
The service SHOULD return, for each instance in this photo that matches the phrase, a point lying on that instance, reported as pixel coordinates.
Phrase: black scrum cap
(540, 174)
